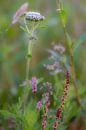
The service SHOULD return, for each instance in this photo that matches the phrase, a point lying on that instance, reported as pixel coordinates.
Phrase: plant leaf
(63, 17)
(81, 40)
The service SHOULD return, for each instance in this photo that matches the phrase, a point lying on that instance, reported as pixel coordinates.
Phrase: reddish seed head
(46, 110)
(63, 99)
(55, 126)
(66, 89)
(63, 103)
(60, 116)
(59, 110)
(62, 106)
(58, 122)
(65, 93)
(48, 103)
(63, 96)
(67, 73)
(67, 80)
(66, 86)
(58, 113)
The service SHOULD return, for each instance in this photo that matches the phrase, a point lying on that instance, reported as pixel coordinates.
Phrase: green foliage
(63, 16)
(79, 42)
(13, 55)
(30, 116)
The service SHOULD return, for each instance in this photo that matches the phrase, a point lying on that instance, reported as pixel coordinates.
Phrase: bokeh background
(13, 43)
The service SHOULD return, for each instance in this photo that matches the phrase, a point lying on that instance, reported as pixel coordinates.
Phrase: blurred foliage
(13, 49)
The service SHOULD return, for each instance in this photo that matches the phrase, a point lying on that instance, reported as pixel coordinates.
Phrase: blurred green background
(13, 43)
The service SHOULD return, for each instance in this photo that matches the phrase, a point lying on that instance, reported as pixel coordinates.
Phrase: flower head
(54, 68)
(48, 87)
(34, 82)
(55, 126)
(44, 123)
(46, 96)
(59, 48)
(34, 16)
(19, 13)
(39, 104)
(31, 16)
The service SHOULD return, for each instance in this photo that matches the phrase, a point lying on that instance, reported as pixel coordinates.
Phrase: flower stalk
(60, 109)
(46, 109)
(68, 44)
(33, 18)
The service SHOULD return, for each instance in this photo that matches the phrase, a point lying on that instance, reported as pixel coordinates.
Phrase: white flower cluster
(34, 16)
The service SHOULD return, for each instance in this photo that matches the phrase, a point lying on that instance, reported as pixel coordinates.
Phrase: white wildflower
(34, 16)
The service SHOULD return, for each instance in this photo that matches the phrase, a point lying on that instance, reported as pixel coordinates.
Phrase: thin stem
(28, 61)
(73, 74)
(27, 69)
(28, 56)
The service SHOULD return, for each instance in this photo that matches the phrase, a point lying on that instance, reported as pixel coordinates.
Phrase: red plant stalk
(60, 109)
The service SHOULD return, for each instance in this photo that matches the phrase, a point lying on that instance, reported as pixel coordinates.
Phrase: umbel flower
(34, 16)
(19, 13)
(31, 16)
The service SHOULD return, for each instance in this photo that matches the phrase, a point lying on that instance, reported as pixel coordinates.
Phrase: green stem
(29, 55)
(28, 61)
(72, 67)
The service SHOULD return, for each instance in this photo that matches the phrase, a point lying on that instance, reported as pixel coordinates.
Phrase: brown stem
(42, 128)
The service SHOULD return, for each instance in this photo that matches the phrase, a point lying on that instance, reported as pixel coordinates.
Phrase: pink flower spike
(44, 124)
(19, 13)
(34, 82)
(39, 104)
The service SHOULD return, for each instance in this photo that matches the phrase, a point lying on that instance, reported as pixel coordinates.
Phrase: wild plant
(42, 104)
